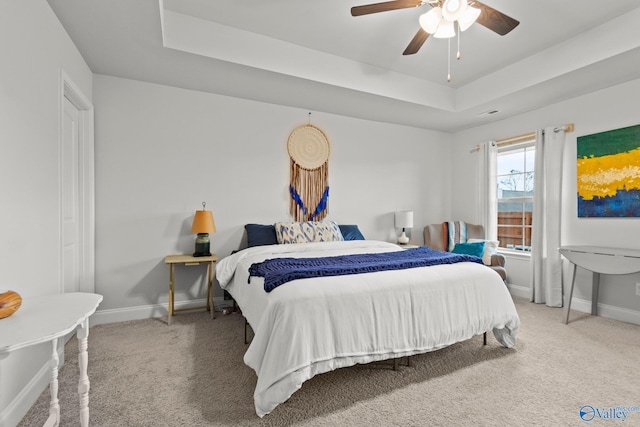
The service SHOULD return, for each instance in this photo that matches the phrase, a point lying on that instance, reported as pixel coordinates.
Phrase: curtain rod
(524, 137)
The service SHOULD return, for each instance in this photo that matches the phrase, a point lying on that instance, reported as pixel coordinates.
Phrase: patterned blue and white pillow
(306, 232)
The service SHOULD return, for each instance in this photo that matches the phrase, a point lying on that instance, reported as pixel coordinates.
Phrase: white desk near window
(599, 260)
(47, 318)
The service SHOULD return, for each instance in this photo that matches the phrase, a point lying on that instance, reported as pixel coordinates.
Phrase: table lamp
(203, 225)
(404, 219)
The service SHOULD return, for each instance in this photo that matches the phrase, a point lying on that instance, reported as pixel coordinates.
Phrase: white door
(77, 235)
(71, 242)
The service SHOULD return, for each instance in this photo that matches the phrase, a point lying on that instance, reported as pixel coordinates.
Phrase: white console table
(47, 318)
(599, 260)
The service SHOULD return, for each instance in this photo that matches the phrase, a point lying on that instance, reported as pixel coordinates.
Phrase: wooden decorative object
(10, 302)
(309, 151)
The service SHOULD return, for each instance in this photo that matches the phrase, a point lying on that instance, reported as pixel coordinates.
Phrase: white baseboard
(160, 310)
(604, 310)
(609, 311)
(519, 291)
(148, 311)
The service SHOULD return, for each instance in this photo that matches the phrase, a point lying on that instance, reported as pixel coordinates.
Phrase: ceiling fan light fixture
(429, 21)
(452, 10)
(446, 30)
(468, 17)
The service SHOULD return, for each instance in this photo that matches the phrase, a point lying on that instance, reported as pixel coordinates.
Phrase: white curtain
(546, 263)
(487, 187)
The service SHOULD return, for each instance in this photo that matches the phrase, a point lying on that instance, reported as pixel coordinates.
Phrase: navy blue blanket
(277, 271)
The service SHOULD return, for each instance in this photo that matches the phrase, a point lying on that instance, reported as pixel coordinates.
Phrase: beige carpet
(145, 373)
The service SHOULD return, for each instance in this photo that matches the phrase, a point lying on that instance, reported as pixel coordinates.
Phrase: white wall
(34, 48)
(161, 151)
(603, 110)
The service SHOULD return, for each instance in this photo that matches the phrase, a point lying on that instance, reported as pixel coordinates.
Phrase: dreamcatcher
(309, 153)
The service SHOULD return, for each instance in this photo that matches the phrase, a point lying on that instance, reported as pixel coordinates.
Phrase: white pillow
(490, 248)
(305, 232)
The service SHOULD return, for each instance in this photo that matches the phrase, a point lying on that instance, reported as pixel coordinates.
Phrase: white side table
(599, 260)
(47, 318)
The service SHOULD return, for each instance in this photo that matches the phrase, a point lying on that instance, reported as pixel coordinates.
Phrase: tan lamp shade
(203, 222)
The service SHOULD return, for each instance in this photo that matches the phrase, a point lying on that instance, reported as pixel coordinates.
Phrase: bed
(314, 325)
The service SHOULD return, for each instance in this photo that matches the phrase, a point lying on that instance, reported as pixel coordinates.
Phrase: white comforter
(310, 326)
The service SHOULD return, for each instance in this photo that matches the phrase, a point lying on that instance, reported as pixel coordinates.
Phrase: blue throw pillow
(475, 249)
(351, 232)
(260, 235)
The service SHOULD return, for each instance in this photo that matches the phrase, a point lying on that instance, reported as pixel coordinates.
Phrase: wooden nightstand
(189, 260)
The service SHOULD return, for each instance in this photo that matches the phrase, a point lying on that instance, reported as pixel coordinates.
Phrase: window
(515, 186)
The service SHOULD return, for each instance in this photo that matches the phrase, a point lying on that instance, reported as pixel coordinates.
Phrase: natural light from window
(515, 186)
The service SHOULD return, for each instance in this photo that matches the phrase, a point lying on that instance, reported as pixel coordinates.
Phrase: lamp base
(199, 254)
(202, 245)
(403, 239)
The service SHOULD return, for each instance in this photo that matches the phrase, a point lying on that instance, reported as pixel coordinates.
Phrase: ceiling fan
(441, 19)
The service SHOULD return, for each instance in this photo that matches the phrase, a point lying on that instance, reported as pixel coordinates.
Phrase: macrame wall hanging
(309, 153)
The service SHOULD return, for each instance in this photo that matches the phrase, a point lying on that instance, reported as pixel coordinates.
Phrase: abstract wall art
(609, 173)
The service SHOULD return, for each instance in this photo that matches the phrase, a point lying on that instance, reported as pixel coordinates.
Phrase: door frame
(86, 183)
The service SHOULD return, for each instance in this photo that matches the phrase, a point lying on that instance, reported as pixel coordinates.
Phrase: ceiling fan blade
(416, 43)
(494, 20)
(384, 7)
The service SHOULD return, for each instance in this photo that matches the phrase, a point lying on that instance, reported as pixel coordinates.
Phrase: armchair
(434, 238)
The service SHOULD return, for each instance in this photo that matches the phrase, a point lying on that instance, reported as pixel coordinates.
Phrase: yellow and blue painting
(609, 173)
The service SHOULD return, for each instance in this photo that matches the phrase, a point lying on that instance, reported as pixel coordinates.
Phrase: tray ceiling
(314, 55)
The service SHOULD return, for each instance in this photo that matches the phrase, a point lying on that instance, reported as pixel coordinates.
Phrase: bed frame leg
(485, 338)
(245, 331)
(395, 364)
